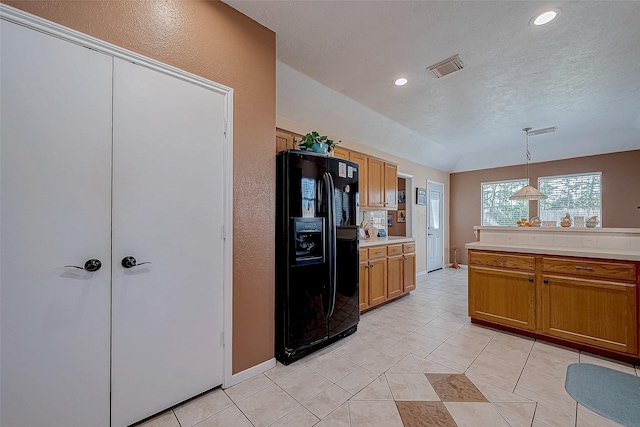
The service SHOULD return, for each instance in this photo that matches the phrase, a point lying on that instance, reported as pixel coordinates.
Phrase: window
(497, 209)
(579, 195)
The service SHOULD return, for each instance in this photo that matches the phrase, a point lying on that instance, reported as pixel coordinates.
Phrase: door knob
(129, 261)
(91, 265)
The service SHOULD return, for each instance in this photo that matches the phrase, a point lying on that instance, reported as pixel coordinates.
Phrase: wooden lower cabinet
(594, 312)
(364, 285)
(395, 276)
(502, 296)
(580, 301)
(386, 272)
(409, 272)
(377, 281)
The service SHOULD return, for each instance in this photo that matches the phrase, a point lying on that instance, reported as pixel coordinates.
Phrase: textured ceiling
(337, 61)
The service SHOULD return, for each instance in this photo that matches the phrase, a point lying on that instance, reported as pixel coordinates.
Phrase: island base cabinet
(593, 312)
(502, 296)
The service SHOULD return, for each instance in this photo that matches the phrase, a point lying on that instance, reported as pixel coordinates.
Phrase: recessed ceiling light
(401, 82)
(545, 17)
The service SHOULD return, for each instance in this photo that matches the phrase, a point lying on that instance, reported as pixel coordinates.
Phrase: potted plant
(317, 143)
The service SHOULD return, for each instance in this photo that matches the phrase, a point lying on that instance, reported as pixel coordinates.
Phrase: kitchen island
(387, 269)
(573, 286)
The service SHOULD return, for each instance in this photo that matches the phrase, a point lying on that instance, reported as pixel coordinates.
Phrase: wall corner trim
(249, 373)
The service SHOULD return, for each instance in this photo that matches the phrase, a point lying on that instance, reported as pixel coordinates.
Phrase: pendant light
(528, 192)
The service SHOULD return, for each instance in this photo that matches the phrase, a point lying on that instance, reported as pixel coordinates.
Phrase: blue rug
(613, 394)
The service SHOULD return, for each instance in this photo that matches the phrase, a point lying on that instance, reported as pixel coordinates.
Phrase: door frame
(431, 182)
(28, 20)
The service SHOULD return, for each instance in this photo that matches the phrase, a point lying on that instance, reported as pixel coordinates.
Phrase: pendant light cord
(526, 132)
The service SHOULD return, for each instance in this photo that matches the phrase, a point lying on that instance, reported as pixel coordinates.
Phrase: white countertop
(607, 243)
(620, 254)
(385, 241)
(561, 229)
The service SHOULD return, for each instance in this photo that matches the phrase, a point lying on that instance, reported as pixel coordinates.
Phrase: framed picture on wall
(389, 220)
(421, 196)
(402, 196)
(402, 215)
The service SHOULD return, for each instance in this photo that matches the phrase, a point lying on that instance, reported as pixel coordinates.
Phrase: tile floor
(414, 362)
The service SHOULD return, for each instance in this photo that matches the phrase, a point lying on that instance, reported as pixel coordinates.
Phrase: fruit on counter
(523, 223)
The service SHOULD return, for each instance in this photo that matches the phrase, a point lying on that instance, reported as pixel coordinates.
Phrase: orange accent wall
(212, 40)
(620, 195)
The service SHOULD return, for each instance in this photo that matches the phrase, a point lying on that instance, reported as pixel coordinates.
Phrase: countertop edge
(624, 255)
(560, 229)
(385, 241)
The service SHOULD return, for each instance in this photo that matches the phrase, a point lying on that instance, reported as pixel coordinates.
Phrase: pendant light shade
(528, 192)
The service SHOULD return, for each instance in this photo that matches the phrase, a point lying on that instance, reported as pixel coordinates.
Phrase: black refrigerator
(317, 292)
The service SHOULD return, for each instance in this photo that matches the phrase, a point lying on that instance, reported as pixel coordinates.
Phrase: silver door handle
(90, 265)
(129, 261)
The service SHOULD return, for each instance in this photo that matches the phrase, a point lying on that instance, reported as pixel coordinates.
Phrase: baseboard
(251, 372)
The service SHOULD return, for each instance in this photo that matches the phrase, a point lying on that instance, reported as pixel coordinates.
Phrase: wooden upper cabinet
(341, 153)
(284, 141)
(376, 191)
(391, 186)
(363, 176)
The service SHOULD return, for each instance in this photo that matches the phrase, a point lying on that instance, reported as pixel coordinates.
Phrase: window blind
(579, 195)
(497, 209)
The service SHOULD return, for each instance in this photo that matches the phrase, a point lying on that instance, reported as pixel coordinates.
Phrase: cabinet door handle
(578, 267)
(499, 260)
(545, 281)
(531, 279)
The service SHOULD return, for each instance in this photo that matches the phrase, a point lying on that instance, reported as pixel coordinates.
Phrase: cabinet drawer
(409, 248)
(590, 268)
(378, 252)
(522, 262)
(394, 250)
(363, 254)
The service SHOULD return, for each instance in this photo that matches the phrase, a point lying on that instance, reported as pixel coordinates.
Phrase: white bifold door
(106, 165)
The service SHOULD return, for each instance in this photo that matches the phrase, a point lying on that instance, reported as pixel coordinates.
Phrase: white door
(167, 210)
(55, 174)
(435, 226)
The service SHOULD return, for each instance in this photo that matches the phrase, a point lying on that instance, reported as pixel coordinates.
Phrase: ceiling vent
(447, 66)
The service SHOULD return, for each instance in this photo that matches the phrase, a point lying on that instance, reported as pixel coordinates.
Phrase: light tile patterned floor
(414, 362)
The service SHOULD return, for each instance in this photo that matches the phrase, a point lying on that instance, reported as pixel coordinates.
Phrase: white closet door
(55, 146)
(167, 210)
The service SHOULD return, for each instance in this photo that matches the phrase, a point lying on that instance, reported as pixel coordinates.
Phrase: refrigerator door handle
(333, 284)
